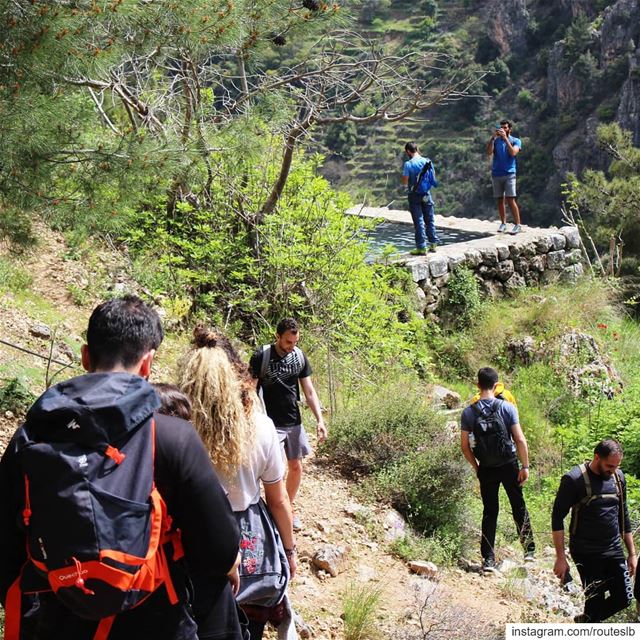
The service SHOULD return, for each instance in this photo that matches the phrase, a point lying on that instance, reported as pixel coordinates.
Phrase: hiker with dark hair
(244, 447)
(503, 148)
(173, 401)
(278, 368)
(418, 176)
(492, 441)
(596, 494)
(118, 505)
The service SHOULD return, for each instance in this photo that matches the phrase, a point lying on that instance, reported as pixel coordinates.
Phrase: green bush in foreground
(411, 460)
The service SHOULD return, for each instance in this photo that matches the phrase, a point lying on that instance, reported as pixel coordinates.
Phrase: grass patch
(360, 607)
(13, 277)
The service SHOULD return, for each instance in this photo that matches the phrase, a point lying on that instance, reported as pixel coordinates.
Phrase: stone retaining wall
(501, 263)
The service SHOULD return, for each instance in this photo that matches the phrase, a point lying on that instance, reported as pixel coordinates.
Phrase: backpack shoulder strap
(495, 406)
(266, 356)
(300, 354)
(587, 480)
(425, 167)
(575, 510)
(620, 492)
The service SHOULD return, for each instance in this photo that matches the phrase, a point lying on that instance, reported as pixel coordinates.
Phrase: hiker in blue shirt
(504, 148)
(421, 203)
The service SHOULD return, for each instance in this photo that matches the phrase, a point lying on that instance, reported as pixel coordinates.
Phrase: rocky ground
(351, 536)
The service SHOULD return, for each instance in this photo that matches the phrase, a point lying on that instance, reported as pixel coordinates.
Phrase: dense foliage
(607, 204)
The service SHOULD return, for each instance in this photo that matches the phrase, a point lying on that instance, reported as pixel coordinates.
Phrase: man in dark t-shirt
(596, 494)
(278, 368)
(500, 467)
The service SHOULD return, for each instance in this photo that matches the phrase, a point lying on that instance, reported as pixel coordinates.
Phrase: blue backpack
(426, 179)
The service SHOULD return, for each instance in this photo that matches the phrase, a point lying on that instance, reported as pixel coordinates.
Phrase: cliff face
(506, 25)
(628, 114)
(556, 68)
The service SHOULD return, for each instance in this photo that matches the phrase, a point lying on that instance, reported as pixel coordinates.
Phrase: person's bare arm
(280, 509)
(405, 180)
(466, 450)
(490, 145)
(314, 404)
(523, 452)
(632, 559)
(561, 565)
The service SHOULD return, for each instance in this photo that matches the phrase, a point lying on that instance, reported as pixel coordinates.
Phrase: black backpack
(492, 441)
(94, 522)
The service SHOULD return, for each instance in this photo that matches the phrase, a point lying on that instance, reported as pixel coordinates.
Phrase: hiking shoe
(515, 230)
(529, 556)
(489, 565)
(502, 228)
(297, 523)
(432, 247)
(418, 252)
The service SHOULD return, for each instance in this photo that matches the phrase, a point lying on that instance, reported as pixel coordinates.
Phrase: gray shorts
(295, 442)
(504, 186)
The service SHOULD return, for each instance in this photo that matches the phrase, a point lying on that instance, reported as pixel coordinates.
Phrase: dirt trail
(464, 604)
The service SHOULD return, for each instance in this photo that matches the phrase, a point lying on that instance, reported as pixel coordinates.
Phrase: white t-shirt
(266, 464)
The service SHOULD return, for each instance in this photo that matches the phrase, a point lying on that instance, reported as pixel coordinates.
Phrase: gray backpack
(264, 568)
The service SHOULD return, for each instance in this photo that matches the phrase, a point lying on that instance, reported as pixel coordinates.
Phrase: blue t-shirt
(507, 411)
(412, 169)
(503, 162)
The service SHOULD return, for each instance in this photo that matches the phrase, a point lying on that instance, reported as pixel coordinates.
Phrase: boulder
(473, 257)
(555, 259)
(504, 270)
(427, 569)
(40, 330)
(487, 273)
(537, 263)
(550, 276)
(515, 282)
(559, 241)
(394, 526)
(419, 269)
(573, 256)
(331, 558)
(544, 244)
(572, 273)
(522, 265)
(456, 260)
(525, 247)
(522, 351)
(438, 265)
(489, 256)
(420, 299)
(443, 396)
(442, 280)
(492, 288)
(503, 251)
(572, 235)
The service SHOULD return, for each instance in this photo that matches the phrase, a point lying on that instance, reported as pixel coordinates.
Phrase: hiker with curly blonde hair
(244, 447)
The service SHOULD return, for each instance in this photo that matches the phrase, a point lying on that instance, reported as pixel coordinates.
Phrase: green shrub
(13, 278)
(428, 487)
(393, 437)
(461, 304)
(385, 426)
(15, 395)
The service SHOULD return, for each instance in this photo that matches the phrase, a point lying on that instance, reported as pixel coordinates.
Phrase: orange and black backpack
(95, 524)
